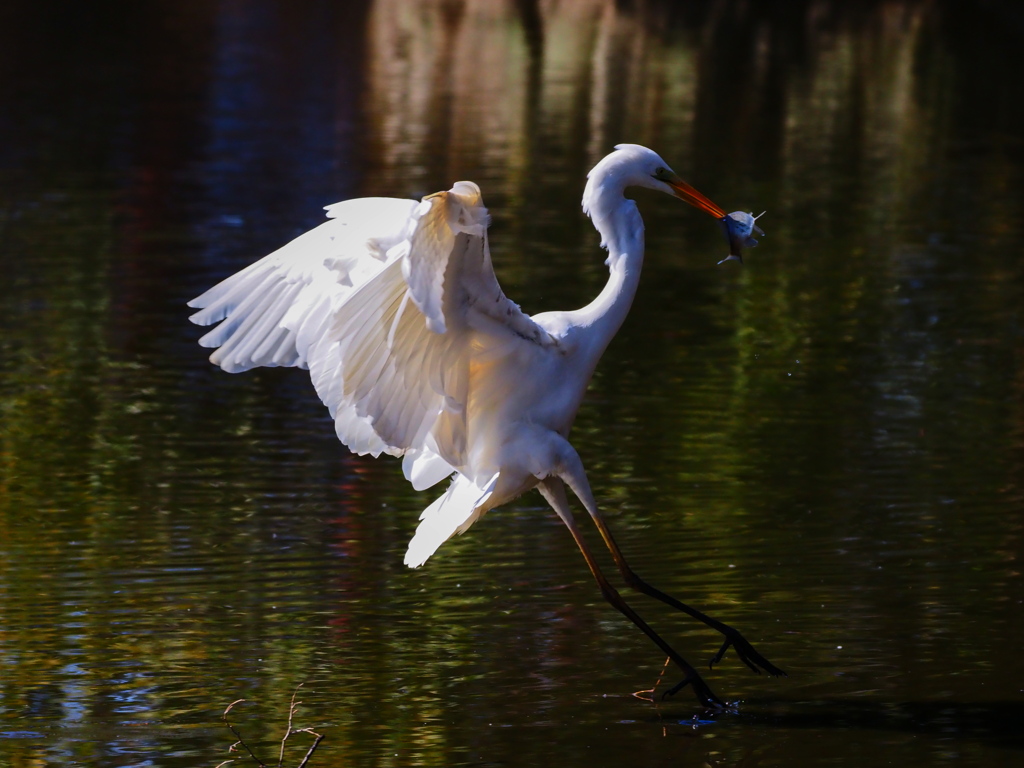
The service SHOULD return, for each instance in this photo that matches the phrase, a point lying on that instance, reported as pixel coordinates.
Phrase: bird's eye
(660, 172)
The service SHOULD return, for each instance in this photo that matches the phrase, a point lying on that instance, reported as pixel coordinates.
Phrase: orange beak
(684, 191)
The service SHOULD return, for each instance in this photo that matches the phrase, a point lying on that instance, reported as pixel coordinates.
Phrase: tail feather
(455, 512)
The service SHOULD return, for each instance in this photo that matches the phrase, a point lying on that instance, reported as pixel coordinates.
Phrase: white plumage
(394, 308)
(391, 305)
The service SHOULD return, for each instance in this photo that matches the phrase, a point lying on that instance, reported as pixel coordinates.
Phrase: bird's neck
(622, 233)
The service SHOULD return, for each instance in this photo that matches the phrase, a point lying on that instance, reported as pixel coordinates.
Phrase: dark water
(824, 448)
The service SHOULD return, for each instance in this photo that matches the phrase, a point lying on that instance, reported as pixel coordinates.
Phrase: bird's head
(632, 165)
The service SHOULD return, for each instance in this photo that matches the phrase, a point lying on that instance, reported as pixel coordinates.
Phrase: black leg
(744, 649)
(554, 492)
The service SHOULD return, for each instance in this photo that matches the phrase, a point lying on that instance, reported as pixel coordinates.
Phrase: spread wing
(271, 312)
(386, 304)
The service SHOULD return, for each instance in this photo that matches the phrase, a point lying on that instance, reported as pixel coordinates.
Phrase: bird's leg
(576, 479)
(748, 655)
(553, 490)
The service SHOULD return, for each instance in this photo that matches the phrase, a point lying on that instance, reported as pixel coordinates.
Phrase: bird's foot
(704, 694)
(747, 655)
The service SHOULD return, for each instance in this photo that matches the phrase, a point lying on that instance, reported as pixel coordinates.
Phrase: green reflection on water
(823, 448)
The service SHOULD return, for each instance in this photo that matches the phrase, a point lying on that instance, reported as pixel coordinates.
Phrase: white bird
(394, 308)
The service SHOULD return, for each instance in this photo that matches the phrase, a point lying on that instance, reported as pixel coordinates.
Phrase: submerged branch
(289, 731)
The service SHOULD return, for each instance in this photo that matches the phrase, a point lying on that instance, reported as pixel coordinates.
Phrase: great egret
(394, 308)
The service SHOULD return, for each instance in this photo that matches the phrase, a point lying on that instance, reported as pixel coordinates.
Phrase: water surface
(824, 448)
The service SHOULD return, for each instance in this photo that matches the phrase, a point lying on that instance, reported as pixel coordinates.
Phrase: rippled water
(824, 448)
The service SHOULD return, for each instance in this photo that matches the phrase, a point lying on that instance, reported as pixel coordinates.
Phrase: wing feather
(452, 513)
(274, 310)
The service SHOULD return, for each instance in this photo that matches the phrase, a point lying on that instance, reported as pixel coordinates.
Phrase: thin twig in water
(648, 694)
(291, 713)
(288, 729)
(234, 747)
(316, 743)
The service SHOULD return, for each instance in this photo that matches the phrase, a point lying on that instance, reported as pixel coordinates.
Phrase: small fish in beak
(740, 229)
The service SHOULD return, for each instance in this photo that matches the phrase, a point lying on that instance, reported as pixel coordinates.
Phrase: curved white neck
(622, 232)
